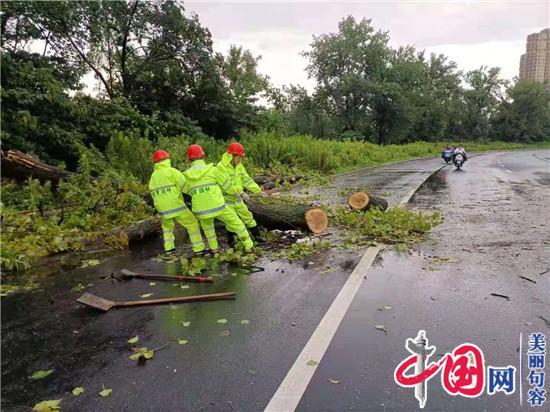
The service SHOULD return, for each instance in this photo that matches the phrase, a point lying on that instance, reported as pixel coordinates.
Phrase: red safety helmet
(194, 152)
(160, 155)
(236, 149)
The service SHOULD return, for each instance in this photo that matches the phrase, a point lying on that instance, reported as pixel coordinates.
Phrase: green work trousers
(244, 214)
(232, 223)
(188, 220)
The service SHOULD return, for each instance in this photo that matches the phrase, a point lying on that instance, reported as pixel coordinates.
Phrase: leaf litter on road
(40, 374)
(140, 353)
(81, 286)
(222, 321)
(89, 263)
(48, 406)
(146, 295)
(105, 392)
(77, 391)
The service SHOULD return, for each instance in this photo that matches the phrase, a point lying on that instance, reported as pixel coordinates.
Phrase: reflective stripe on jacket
(206, 187)
(166, 186)
(239, 176)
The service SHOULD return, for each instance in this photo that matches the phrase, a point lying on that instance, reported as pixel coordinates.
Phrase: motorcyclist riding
(459, 149)
(447, 154)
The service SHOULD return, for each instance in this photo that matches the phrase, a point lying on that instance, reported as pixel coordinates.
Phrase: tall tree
(484, 93)
(525, 115)
(346, 65)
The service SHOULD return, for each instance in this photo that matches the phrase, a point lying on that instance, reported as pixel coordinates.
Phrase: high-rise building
(535, 63)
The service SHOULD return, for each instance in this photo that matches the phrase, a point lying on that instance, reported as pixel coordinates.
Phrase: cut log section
(283, 215)
(20, 166)
(364, 201)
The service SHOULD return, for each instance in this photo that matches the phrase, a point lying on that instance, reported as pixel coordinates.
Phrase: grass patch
(110, 189)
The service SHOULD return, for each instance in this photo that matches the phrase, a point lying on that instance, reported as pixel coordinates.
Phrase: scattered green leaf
(183, 341)
(133, 340)
(245, 322)
(41, 374)
(152, 284)
(89, 263)
(185, 323)
(80, 287)
(105, 392)
(312, 363)
(77, 391)
(381, 328)
(222, 321)
(146, 295)
(140, 353)
(48, 406)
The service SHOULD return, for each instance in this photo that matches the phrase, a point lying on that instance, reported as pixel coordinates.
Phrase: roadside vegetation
(159, 84)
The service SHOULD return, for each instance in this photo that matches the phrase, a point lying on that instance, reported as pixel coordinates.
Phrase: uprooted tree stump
(364, 201)
(273, 214)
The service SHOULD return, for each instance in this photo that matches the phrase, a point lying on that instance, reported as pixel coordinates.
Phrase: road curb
(403, 202)
(290, 391)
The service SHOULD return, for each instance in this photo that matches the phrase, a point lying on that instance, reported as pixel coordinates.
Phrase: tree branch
(125, 47)
(90, 64)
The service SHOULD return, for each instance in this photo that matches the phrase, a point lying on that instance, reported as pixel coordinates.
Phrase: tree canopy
(158, 75)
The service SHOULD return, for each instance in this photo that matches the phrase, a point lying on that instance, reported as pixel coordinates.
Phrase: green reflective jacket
(206, 187)
(166, 186)
(238, 176)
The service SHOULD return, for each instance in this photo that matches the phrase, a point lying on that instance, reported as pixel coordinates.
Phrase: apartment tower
(535, 63)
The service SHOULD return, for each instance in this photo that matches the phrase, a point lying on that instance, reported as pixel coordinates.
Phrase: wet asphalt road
(236, 366)
(495, 230)
(46, 329)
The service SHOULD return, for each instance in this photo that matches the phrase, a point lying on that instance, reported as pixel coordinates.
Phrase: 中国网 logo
(463, 371)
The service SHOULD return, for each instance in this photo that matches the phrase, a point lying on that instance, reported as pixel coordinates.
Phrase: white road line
(297, 379)
(292, 388)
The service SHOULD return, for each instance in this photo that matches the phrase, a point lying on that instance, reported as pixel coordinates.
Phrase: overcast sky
(472, 33)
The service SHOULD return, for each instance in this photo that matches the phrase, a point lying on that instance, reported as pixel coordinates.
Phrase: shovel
(129, 274)
(105, 304)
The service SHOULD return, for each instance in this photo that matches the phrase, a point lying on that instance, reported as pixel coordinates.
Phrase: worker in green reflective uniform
(166, 187)
(232, 167)
(206, 187)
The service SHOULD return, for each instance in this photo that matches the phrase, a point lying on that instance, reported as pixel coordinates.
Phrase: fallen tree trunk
(20, 166)
(283, 215)
(128, 235)
(140, 230)
(262, 180)
(364, 201)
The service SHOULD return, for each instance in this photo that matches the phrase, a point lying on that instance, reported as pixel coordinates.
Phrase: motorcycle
(459, 161)
(447, 156)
